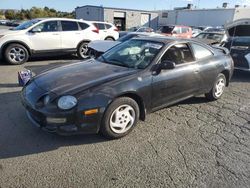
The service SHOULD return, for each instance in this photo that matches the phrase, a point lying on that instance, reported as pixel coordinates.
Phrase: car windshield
(210, 36)
(127, 37)
(26, 25)
(133, 53)
(166, 29)
(241, 41)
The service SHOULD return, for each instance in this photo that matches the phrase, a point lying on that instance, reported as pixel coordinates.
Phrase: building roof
(118, 9)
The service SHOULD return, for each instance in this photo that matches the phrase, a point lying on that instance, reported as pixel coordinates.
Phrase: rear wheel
(110, 38)
(82, 50)
(218, 89)
(120, 118)
(16, 54)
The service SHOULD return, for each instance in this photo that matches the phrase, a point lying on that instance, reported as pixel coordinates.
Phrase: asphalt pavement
(195, 143)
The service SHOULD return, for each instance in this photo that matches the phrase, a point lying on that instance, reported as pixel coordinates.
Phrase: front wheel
(218, 89)
(82, 50)
(120, 118)
(16, 54)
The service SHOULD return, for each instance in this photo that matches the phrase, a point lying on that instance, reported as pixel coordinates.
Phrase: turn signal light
(90, 112)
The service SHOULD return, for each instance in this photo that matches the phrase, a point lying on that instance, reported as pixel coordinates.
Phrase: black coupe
(110, 94)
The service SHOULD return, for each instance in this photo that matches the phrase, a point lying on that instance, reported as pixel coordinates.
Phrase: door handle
(55, 34)
(78, 33)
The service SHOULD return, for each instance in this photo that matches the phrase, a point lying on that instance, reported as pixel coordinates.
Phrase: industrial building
(122, 18)
(203, 17)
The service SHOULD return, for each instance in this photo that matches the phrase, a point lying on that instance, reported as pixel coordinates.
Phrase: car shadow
(18, 137)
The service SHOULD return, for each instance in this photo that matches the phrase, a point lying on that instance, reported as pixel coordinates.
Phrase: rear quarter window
(108, 26)
(201, 52)
(83, 26)
(100, 26)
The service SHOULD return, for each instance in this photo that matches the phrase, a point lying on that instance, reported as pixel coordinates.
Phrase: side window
(69, 26)
(83, 26)
(108, 26)
(185, 30)
(177, 30)
(50, 26)
(179, 54)
(201, 52)
(100, 26)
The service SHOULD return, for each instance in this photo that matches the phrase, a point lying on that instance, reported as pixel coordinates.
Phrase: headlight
(66, 102)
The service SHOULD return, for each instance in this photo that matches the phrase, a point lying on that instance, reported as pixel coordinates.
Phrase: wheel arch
(109, 37)
(138, 100)
(227, 75)
(82, 41)
(6, 44)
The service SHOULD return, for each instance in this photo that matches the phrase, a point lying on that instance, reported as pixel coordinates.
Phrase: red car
(178, 31)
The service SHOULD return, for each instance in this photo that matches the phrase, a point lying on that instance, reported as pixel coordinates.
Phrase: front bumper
(75, 123)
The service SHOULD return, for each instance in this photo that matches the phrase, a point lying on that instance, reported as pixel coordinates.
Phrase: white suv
(44, 36)
(107, 31)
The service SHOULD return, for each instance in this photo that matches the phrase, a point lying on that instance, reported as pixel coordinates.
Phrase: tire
(16, 54)
(218, 89)
(120, 118)
(82, 50)
(110, 38)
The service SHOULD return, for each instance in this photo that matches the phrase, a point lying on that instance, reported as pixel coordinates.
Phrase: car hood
(77, 77)
(102, 45)
(7, 32)
(238, 28)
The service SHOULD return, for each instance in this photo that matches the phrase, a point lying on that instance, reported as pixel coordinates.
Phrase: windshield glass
(241, 41)
(210, 36)
(132, 54)
(26, 25)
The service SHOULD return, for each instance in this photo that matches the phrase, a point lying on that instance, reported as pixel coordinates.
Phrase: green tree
(10, 14)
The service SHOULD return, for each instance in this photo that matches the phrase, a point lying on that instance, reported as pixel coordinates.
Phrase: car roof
(100, 22)
(166, 40)
(66, 19)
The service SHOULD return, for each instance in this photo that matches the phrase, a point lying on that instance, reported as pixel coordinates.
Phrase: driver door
(173, 85)
(45, 36)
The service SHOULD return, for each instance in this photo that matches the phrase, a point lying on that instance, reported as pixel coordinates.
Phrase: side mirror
(174, 32)
(36, 30)
(166, 65)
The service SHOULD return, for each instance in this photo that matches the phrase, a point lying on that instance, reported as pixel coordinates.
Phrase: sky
(70, 5)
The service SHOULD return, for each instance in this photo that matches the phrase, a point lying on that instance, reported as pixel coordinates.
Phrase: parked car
(239, 43)
(98, 47)
(139, 76)
(212, 38)
(240, 52)
(176, 31)
(107, 31)
(3, 22)
(195, 32)
(136, 29)
(46, 36)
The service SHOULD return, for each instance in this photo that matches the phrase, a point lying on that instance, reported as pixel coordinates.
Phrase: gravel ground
(192, 144)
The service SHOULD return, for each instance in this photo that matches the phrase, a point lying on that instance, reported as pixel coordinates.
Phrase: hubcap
(84, 51)
(122, 119)
(219, 87)
(17, 54)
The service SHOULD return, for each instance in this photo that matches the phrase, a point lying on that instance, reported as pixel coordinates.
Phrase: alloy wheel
(122, 119)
